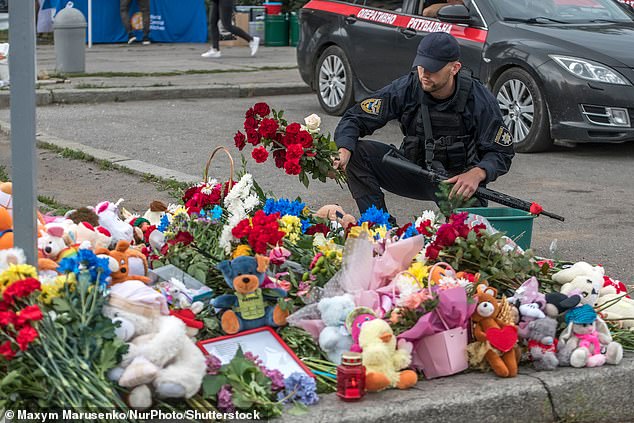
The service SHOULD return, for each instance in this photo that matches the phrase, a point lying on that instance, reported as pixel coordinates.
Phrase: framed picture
(263, 342)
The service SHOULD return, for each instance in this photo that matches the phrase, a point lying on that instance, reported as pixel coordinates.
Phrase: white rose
(312, 122)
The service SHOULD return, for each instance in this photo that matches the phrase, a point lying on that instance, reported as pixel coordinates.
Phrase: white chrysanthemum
(427, 215)
(238, 203)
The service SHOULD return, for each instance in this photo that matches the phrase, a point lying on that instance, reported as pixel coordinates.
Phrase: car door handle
(350, 19)
(407, 32)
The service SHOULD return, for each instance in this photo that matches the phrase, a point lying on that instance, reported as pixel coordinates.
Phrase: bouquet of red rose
(298, 149)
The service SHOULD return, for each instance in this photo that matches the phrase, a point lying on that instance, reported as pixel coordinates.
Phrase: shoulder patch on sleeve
(504, 137)
(371, 106)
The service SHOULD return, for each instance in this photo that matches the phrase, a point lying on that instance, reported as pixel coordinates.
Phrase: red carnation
(446, 235)
(250, 123)
(240, 140)
(425, 228)
(7, 351)
(249, 113)
(280, 158)
(260, 154)
(31, 313)
(432, 252)
(318, 228)
(262, 109)
(7, 318)
(20, 289)
(536, 209)
(253, 137)
(268, 128)
(242, 229)
(293, 128)
(305, 139)
(26, 335)
(294, 152)
(292, 167)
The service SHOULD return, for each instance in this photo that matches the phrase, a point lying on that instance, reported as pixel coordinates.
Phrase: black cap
(436, 50)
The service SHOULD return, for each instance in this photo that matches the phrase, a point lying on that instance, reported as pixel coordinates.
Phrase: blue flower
(216, 212)
(96, 266)
(410, 232)
(376, 216)
(305, 225)
(165, 222)
(284, 206)
(299, 387)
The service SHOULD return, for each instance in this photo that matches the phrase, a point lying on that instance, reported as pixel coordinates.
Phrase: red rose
(250, 123)
(305, 139)
(7, 351)
(294, 152)
(262, 109)
(242, 229)
(7, 318)
(292, 167)
(249, 113)
(31, 313)
(260, 154)
(280, 158)
(536, 209)
(20, 289)
(293, 128)
(240, 140)
(432, 252)
(462, 230)
(268, 128)
(253, 137)
(318, 228)
(26, 335)
(446, 235)
(458, 218)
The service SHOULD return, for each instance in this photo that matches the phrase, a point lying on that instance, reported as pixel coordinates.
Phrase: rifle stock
(394, 158)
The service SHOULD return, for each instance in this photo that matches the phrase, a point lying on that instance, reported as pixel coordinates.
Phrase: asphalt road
(591, 185)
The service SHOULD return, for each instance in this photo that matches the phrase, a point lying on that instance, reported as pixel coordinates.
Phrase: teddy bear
(542, 343)
(248, 308)
(54, 244)
(586, 341)
(336, 214)
(125, 263)
(615, 304)
(383, 358)
(582, 279)
(355, 321)
(335, 339)
(161, 358)
(109, 219)
(499, 337)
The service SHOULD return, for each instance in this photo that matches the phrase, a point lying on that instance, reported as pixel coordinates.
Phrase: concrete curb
(130, 165)
(46, 97)
(600, 394)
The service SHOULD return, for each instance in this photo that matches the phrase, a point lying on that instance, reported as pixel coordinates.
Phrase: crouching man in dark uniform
(450, 121)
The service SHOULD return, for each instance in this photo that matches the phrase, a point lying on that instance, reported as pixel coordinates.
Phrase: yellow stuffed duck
(382, 360)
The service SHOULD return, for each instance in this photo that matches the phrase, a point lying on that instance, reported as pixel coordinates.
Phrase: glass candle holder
(351, 377)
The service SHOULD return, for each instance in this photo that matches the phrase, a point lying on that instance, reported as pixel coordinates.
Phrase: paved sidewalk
(121, 72)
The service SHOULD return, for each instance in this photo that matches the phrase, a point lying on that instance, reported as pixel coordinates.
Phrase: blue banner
(183, 21)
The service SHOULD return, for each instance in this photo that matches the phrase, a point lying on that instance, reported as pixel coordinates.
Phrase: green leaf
(297, 409)
(241, 401)
(212, 384)
(9, 378)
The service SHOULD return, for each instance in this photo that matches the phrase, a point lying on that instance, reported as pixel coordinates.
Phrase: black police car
(560, 69)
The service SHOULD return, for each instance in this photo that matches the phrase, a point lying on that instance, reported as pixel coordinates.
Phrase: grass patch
(4, 176)
(53, 206)
(86, 86)
(172, 73)
(173, 187)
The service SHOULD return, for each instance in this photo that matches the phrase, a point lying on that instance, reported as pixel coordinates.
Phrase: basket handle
(431, 271)
(231, 163)
(404, 272)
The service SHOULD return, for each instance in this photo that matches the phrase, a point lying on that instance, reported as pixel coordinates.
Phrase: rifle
(394, 158)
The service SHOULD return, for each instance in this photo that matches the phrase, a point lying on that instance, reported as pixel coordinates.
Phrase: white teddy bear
(335, 339)
(160, 352)
(582, 279)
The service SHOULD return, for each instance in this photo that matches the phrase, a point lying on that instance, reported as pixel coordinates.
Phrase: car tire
(524, 110)
(334, 81)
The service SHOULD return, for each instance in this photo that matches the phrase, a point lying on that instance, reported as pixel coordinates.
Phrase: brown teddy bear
(125, 263)
(500, 338)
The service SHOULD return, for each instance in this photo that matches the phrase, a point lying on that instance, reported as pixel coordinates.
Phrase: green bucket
(293, 23)
(276, 30)
(517, 224)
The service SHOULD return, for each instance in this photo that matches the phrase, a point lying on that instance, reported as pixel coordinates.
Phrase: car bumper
(576, 107)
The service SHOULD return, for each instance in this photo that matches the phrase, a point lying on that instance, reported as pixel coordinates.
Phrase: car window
(562, 11)
(395, 5)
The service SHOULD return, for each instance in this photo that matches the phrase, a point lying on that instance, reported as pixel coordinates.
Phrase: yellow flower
(16, 272)
(420, 272)
(54, 289)
(358, 231)
(241, 250)
(292, 227)
(381, 231)
(180, 210)
(306, 212)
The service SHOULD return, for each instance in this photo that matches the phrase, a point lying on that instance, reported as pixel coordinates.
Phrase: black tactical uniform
(468, 131)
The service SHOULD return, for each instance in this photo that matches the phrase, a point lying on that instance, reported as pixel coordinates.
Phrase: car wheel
(524, 110)
(334, 81)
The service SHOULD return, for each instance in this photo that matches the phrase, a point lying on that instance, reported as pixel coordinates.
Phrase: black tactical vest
(453, 148)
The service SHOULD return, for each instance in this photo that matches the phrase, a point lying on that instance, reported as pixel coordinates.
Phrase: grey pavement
(122, 72)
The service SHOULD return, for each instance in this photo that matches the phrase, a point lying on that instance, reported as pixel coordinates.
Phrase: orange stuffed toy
(6, 229)
(499, 337)
(125, 263)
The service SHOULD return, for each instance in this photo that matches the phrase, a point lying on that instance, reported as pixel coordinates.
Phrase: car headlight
(590, 70)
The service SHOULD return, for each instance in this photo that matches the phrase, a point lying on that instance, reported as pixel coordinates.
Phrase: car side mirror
(455, 13)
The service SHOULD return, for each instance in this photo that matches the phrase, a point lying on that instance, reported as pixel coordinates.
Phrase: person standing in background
(222, 10)
(144, 7)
